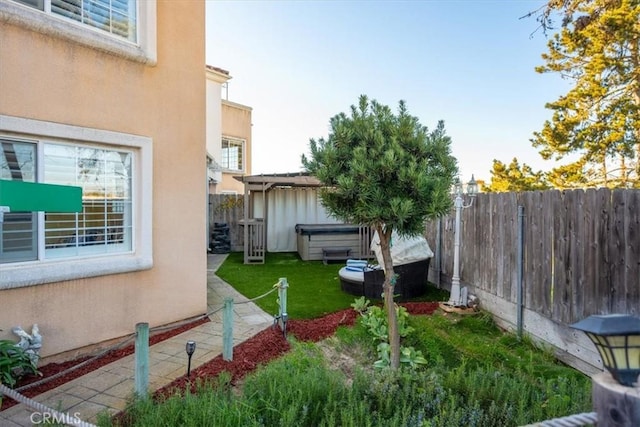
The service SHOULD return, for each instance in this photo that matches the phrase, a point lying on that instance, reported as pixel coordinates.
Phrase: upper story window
(117, 17)
(232, 154)
(126, 28)
(113, 232)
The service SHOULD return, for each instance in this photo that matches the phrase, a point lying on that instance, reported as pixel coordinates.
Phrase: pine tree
(515, 178)
(596, 125)
(386, 171)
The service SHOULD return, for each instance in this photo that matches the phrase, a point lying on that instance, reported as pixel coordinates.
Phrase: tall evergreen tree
(596, 125)
(514, 177)
(386, 171)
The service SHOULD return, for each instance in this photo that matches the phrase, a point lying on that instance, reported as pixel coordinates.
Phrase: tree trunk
(390, 307)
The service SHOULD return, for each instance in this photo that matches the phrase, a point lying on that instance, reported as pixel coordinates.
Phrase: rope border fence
(576, 420)
(67, 419)
(131, 337)
(60, 417)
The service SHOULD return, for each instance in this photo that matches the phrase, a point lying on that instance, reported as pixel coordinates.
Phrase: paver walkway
(107, 388)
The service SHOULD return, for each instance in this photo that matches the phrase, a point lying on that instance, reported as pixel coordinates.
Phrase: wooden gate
(255, 242)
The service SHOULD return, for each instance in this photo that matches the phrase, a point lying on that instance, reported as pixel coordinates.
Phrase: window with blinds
(18, 230)
(117, 17)
(105, 224)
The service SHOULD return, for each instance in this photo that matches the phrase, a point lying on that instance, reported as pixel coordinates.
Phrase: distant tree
(386, 171)
(597, 123)
(515, 178)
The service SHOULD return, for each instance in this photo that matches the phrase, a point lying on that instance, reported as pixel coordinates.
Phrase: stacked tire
(220, 240)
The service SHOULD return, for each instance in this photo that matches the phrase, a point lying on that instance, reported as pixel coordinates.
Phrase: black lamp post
(190, 348)
(617, 339)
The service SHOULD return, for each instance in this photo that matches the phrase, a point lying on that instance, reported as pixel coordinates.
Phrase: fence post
(282, 299)
(616, 404)
(520, 271)
(142, 359)
(227, 330)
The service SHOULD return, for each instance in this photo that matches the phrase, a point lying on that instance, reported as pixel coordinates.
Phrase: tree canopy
(382, 168)
(596, 125)
(386, 171)
(514, 177)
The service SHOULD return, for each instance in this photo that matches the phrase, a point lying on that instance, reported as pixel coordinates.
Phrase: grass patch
(314, 288)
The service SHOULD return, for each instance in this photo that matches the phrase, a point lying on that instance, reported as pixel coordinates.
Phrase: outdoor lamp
(472, 187)
(617, 339)
(459, 297)
(190, 348)
(457, 187)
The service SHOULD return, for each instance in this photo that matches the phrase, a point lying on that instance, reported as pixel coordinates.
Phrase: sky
(470, 63)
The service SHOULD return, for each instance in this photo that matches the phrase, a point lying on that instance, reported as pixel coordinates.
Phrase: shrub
(14, 363)
(374, 319)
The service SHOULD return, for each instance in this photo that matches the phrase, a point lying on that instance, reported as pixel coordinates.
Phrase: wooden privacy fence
(581, 256)
(228, 209)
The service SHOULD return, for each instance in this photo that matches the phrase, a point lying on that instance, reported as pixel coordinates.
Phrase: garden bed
(247, 356)
(52, 369)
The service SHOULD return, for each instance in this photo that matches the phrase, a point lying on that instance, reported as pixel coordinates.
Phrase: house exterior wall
(51, 79)
(236, 123)
(216, 77)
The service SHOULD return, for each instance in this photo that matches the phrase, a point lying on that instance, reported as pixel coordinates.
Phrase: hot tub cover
(403, 249)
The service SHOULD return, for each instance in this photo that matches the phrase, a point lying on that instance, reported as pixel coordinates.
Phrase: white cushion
(350, 275)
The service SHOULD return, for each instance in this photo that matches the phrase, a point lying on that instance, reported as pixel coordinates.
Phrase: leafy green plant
(374, 319)
(412, 357)
(361, 305)
(14, 362)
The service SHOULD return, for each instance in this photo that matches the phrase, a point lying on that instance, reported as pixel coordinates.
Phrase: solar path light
(617, 339)
(190, 349)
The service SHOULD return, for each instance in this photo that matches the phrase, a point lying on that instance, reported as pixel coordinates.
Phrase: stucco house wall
(50, 81)
(236, 123)
(216, 77)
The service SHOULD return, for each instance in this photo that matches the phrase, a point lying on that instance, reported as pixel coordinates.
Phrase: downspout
(520, 268)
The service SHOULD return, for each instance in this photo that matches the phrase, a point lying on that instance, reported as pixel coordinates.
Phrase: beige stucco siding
(236, 122)
(49, 79)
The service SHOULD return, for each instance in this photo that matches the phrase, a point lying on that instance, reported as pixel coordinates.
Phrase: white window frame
(29, 273)
(243, 145)
(144, 50)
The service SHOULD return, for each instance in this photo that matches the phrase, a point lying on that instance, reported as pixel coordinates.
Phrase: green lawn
(314, 288)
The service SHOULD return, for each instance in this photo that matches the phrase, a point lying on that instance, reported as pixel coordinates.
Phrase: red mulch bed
(247, 356)
(54, 368)
(270, 343)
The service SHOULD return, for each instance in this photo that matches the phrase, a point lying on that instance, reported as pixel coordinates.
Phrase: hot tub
(311, 238)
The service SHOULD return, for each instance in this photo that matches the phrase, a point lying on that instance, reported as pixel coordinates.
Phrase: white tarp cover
(404, 250)
(286, 208)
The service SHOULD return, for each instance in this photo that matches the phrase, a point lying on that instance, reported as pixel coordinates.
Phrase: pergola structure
(255, 229)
